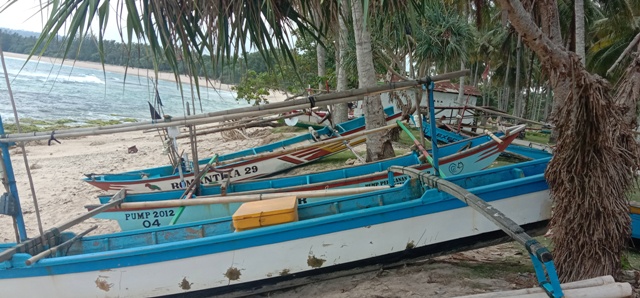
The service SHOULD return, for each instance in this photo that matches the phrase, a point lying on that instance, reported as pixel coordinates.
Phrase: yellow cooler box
(257, 214)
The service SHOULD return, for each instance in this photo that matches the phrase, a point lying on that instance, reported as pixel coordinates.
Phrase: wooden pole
(317, 144)
(274, 108)
(507, 115)
(55, 249)
(248, 198)
(115, 201)
(587, 283)
(240, 124)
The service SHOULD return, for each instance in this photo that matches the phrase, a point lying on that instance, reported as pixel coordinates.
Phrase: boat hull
(261, 256)
(129, 219)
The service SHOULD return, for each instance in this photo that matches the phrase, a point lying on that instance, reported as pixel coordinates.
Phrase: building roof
(448, 87)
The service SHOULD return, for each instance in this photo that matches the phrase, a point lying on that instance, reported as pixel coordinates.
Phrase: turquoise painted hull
(211, 257)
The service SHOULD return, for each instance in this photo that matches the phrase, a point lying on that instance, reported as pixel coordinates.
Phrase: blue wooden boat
(210, 257)
(446, 136)
(466, 156)
(244, 164)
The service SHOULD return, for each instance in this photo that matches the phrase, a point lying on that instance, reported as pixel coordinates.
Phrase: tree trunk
(587, 177)
(504, 99)
(517, 98)
(321, 54)
(378, 144)
(341, 111)
(548, 102)
(527, 107)
(580, 34)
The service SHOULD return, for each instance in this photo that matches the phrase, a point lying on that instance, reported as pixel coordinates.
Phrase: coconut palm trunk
(580, 34)
(593, 165)
(341, 111)
(378, 145)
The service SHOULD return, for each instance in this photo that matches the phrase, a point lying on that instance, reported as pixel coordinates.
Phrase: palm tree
(615, 33)
(341, 111)
(590, 219)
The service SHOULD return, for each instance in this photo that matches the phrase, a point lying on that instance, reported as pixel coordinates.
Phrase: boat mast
(432, 122)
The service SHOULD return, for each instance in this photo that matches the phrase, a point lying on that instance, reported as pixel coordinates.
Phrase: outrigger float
(426, 215)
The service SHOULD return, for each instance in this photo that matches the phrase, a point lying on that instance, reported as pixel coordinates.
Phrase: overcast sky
(25, 15)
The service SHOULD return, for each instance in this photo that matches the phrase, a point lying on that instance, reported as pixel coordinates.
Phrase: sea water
(46, 91)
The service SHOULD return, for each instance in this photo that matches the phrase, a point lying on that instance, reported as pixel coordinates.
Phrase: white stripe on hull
(256, 263)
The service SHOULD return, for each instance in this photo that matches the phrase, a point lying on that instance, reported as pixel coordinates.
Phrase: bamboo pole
(55, 249)
(587, 283)
(115, 201)
(323, 184)
(141, 126)
(615, 290)
(316, 144)
(420, 147)
(490, 134)
(207, 200)
(507, 115)
(240, 124)
(273, 108)
(189, 191)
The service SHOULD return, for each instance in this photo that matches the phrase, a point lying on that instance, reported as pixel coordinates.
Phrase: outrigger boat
(466, 156)
(219, 255)
(245, 164)
(446, 136)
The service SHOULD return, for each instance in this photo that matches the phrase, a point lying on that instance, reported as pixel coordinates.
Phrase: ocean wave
(59, 78)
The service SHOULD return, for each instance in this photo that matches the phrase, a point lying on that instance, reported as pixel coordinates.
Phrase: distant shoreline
(275, 96)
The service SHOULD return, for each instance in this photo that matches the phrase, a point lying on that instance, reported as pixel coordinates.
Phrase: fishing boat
(446, 136)
(227, 253)
(466, 156)
(246, 164)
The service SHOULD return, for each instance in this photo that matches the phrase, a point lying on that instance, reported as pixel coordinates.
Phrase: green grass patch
(103, 122)
(631, 260)
(288, 129)
(501, 161)
(339, 159)
(407, 141)
(495, 269)
(64, 121)
(35, 125)
(537, 137)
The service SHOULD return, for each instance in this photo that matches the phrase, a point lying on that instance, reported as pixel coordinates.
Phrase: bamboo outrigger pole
(273, 108)
(206, 200)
